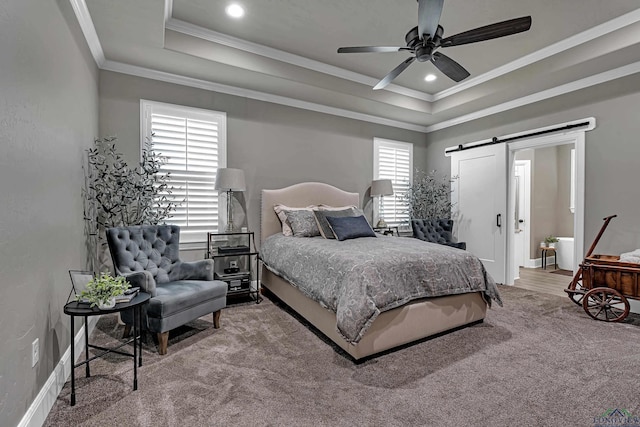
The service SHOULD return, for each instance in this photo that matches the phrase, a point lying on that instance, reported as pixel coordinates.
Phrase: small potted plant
(551, 241)
(102, 291)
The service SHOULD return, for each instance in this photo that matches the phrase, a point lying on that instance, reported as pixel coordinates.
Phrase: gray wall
(612, 152)
(564, 217)
(544, 183)
(275, 145)
(550, 194)
(48, 116)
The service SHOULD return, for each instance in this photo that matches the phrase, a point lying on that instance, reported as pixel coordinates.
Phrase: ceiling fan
(424, 40)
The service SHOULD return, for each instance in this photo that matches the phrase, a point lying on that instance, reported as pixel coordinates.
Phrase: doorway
(575, 140)
(482, 193)
(521, 186)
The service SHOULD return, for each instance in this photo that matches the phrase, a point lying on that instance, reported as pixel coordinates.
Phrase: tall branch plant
(118, 195)
(429, 197)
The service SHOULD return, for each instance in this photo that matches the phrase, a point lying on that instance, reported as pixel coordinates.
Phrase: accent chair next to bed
(148, 256)
(436, 231)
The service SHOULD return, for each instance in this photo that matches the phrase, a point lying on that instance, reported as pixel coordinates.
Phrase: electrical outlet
(35, 352)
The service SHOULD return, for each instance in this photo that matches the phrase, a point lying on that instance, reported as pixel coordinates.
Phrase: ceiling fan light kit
(425, 39)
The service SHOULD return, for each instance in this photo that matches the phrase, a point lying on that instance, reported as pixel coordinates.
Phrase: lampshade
(381, 187)
(230, 179)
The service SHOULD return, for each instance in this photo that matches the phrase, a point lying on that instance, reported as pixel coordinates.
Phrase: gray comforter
(360, 278)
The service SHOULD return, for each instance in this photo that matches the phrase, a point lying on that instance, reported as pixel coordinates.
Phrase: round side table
(76, 308)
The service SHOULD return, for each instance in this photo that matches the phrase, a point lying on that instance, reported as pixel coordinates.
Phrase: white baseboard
(537, 262)
(42, 404)
(534, 263)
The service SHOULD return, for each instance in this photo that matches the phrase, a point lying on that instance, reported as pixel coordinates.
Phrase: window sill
(193, 246)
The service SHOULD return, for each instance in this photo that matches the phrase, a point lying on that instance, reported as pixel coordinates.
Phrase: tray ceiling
(285, 51)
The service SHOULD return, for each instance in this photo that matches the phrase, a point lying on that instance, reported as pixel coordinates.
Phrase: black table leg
(140, 329)
(86, 346)
(73, 362)
(257, 280)
(136, 317)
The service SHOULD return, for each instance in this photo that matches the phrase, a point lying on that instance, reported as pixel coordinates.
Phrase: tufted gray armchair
(436, 231)
(148, 256)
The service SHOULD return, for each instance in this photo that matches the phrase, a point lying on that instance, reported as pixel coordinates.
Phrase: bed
(414, 320)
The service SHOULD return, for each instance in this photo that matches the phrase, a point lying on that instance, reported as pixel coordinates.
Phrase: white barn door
(479, 197)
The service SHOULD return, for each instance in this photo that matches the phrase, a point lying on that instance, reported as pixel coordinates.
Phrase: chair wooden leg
(163, 339)
(216, 319)
(127, 331)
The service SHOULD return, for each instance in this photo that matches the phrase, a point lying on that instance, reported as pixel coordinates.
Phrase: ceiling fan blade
(449, 67)
(363, 49)
(394, 73)
(429, 12)
(488, 32)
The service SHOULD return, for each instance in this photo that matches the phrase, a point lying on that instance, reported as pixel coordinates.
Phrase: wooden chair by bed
(414, 321)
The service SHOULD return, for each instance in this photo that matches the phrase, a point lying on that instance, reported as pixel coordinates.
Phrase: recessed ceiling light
(234, 10)
(430, 77)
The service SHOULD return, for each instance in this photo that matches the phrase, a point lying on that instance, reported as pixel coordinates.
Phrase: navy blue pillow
(350, 227)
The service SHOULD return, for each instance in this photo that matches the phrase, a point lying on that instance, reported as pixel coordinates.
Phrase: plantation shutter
(393, 160)
(193, 141)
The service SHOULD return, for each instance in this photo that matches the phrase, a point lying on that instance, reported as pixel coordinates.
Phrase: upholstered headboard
(299, 196)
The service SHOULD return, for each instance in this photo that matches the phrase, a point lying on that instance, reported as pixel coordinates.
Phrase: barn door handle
(499, 220)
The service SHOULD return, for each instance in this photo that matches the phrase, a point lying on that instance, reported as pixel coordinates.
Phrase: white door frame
(577, 138)
(526, 215)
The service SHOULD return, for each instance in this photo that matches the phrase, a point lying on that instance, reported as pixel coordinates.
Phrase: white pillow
(335, 208)
(281, 211)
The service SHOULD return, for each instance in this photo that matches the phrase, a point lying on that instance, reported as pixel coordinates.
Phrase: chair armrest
(197, 270)
(459, 245)
(142, 279)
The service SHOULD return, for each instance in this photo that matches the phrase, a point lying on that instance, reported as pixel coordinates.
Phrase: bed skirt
(411, 322)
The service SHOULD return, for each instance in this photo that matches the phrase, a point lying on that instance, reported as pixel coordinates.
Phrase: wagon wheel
(606, 304)
(577, 294)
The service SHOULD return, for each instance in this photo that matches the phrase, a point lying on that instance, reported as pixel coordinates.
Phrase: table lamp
(381, 188)
(230, 180)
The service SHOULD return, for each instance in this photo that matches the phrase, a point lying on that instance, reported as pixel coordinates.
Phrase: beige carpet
(538, 361)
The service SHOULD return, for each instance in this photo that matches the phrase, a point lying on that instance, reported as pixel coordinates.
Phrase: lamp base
(381, 224)
(229, 227)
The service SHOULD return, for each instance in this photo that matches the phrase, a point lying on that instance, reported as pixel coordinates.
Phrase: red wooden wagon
(603, 285)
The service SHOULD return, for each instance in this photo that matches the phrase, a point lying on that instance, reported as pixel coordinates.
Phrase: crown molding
(149, 73)
(586, 82)
(86, 24)
(289, 58)
(84, 18)
(566, 44)
(168, 10)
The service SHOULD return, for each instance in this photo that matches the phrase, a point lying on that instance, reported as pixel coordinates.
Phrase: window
(194, 143)
(393, 160)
